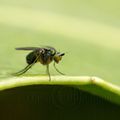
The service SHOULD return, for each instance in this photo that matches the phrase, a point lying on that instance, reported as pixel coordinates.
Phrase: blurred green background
(87, 31)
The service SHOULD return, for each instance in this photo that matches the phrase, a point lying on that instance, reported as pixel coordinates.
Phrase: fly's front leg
(57, 69)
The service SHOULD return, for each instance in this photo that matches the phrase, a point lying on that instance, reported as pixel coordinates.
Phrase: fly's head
(58, 56)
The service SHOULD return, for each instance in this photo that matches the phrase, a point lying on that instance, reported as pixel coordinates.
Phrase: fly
(44, 55)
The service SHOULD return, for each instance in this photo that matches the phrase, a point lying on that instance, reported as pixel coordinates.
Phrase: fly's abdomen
(30, 58)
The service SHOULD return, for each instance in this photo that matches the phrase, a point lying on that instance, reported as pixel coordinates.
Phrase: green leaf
(92, 85)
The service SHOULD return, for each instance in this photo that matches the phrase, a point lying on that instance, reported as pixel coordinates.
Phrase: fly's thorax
(45, 60)
(46, 57)
(38, 52)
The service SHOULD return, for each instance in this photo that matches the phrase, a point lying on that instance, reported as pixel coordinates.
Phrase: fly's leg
(23, 70)
(26, 68)
(57, 69)
(48, 72)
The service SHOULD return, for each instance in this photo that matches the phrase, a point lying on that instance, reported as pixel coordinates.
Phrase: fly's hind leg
(26, 68)
(23, 70)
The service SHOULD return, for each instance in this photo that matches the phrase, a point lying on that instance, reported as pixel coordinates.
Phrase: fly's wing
(28, 48)
(34, 48)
